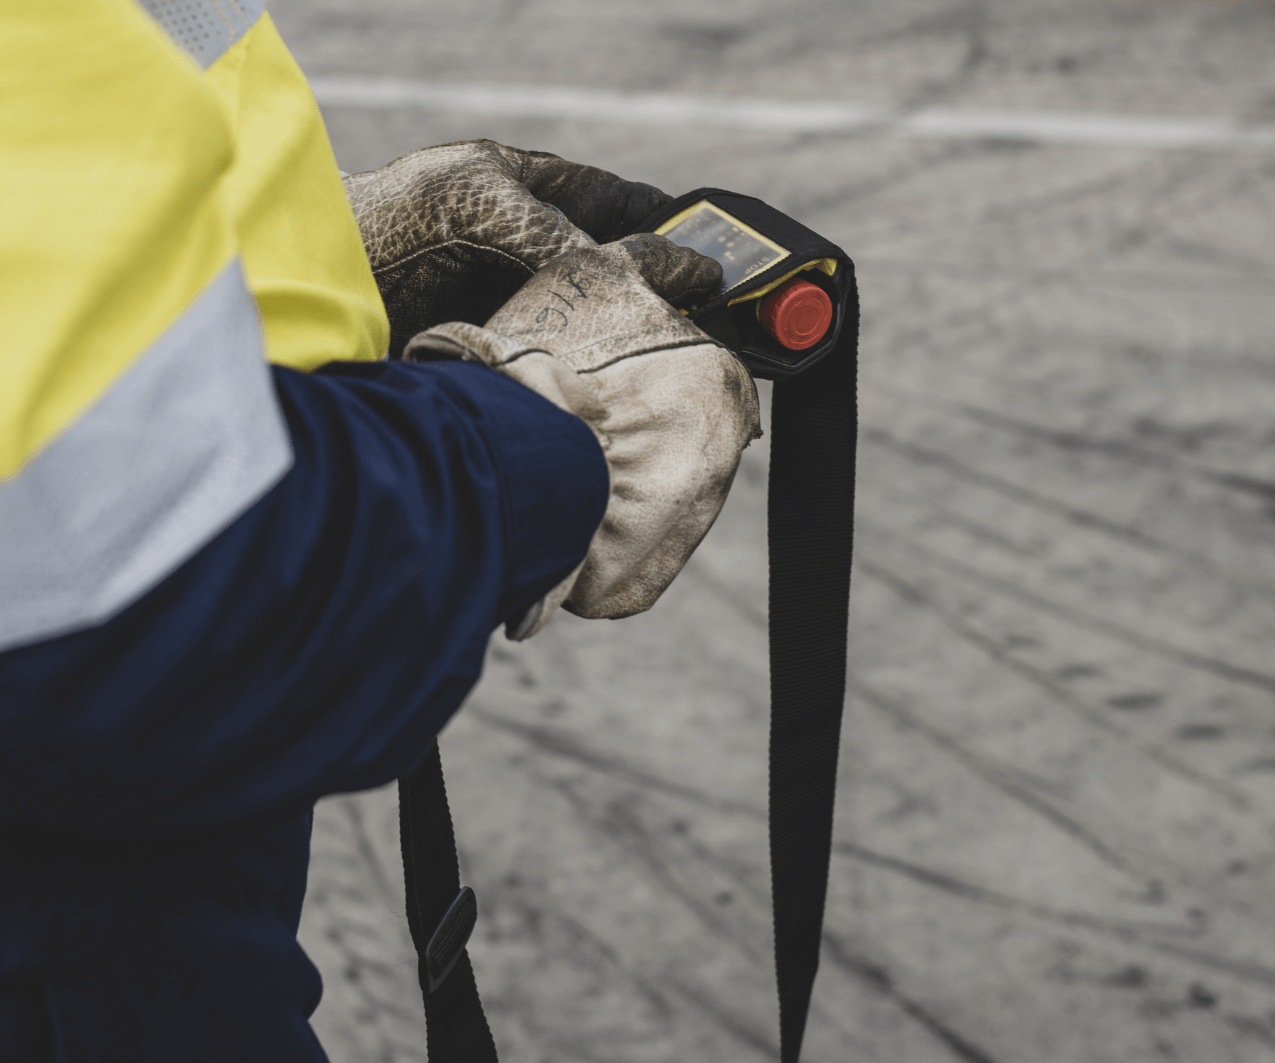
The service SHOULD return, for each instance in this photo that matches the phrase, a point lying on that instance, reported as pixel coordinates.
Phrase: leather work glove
(593, 331)
(454, 231)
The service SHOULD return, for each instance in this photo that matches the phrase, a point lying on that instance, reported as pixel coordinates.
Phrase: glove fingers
(524, 210)
(567, 236)
(676, 274)
(672, 456)
(605, 206)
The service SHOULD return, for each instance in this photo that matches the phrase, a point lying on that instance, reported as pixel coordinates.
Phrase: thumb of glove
(679, 408)
(678, 275)
(605, 206)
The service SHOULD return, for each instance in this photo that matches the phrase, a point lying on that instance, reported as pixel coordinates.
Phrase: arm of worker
(226, 590)
(321, 641)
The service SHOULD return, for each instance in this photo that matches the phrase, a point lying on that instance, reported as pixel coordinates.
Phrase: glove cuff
(538, 370)
(460, 341)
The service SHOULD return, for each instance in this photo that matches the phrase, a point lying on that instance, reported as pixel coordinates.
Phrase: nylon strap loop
(811, 524)
(456, 1028)
(810, 534)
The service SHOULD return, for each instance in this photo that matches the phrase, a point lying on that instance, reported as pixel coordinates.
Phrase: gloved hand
(593, 331)
(454, 231)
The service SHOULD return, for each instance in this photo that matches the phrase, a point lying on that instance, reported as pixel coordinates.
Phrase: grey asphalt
(1056, 824)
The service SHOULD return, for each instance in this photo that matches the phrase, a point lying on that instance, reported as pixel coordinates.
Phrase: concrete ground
(1055, 824)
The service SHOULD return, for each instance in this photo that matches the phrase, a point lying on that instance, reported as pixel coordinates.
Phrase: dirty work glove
(594, 332)
(454, 231)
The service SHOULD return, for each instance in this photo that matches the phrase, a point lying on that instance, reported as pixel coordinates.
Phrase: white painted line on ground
(540, 101)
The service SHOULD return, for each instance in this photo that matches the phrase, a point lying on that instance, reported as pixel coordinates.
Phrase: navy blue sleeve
(320, 642)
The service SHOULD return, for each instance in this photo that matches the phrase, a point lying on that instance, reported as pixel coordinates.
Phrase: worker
(247, 560)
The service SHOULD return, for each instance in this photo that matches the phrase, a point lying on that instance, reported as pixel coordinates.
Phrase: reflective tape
(182, 443)
(205, 28)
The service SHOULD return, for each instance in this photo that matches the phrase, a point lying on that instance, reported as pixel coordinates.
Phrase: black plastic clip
(448, 941)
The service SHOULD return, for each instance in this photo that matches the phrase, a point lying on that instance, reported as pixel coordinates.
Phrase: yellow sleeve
(113, 153)
(169, 217)
(138, 417)
(300, 243)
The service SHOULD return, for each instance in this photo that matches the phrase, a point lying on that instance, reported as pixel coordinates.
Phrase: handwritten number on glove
(581, 282)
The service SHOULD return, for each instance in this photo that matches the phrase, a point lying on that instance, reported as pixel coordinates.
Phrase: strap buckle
(447, 944)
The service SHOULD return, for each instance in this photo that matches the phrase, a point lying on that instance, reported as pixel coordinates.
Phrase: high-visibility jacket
(154, 213)
(244, 561)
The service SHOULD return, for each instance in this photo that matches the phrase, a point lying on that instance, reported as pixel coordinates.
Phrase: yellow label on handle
(740, 249)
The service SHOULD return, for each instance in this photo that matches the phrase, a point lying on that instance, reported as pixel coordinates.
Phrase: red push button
(797, 314)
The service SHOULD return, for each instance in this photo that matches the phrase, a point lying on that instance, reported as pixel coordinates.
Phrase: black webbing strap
(440, 916)
(810, 527)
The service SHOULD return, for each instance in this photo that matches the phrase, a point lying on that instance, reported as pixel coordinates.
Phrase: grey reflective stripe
(205, 28)
(182, 444)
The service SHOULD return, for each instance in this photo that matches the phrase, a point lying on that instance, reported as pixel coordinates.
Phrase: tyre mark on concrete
(347, 926)
(742, 1031)
(1258, 1028)
(1125, 930)
(586, 947)
(392, 1050)
(958, 469)
(1117, 449)
(1077, 617)
(879, 978)
(748, 607)
(649, 991)
(928, 159)
(912, 594)
(1081, 517)
(1010, 206)
(1146, 936)
(990, 772)
(1152, 937)
(367, 851)
(560, 743)
(356, 965)
(1250, 972)
(940, 515)
(1257, 285)
(1128, 931)
(621, 826)
(617, 824)
(1013, 784)
(370, 967)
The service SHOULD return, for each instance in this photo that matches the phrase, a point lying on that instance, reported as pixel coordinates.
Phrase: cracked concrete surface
(1055, 823)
